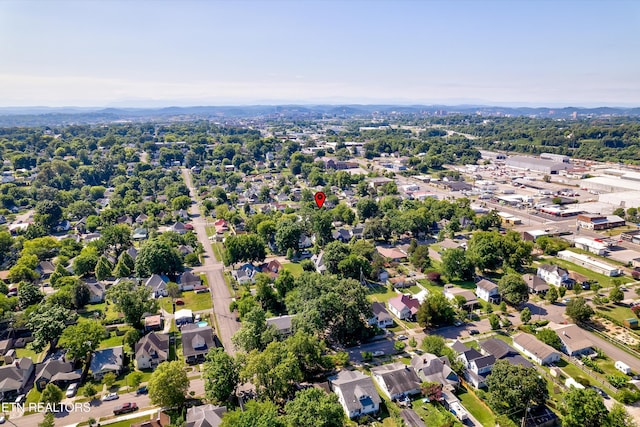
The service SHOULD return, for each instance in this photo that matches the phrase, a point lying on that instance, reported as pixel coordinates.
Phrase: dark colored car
(474, 332)
(126, 408)
(142, 390)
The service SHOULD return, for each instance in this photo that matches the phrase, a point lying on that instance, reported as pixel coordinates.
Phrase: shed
(631, 323)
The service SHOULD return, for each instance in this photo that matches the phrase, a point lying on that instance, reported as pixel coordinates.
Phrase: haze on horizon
(144, 53)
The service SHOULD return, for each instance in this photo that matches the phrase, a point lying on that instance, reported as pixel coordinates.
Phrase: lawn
(381, 293)
(434, 414)
(112, 341)
(605, 281)
(576, 373)
(477, 408)
(618, 312)
(108, 309)
(26, 352)
(192, 301)
(293, 268)
(218, 250)
(127, 423)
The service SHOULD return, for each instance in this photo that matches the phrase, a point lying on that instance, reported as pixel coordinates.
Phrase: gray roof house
(356, 393)
(381, 317)
(56, 371)
(14, 378)
(205, 416)
(188, 281)
(107, 360)
(397, 380)
(151, 350)
(282, 324)
(158, 285)
(432, 368)
(503, 351)
(196, 342)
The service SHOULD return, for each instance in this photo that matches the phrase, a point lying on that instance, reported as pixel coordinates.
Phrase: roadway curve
(213, 269)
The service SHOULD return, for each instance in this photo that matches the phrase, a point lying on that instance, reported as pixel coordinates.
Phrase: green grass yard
(618, 312)
(294, 268)
(192, 301)
(218, 250)
(476, 407)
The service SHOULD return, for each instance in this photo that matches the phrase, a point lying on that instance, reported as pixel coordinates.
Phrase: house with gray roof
(434, 369)
(196, 342)
(541, 353)
(56, 371)
(107, 360)
(158, 285)
(381, 317)
(151, 350)
(503, 351)
(356, 393)
(282, 324)
(396, 380)
(14, 378)
(205, 416)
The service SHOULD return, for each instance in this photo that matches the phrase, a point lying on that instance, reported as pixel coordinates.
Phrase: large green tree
(314, 408)
(157, 257)
(456, 264)
(47, 323)
(436, 310)
(513, 388)
(254, 334)
(168, 384)
(583, 408)
(244, 248)
(579, 310)
(82, 338)
(513, 289)
(133, 301)
(51, 394)
(221, 376)
(255, 414)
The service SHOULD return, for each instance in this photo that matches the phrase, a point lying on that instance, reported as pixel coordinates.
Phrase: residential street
(226, 324)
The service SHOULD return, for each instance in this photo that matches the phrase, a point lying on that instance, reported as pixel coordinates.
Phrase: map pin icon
(320, 198)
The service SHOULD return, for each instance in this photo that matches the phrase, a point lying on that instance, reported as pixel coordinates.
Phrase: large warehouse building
(613, 181)
(536, 164)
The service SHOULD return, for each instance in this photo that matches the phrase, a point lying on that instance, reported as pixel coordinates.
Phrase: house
(396, 380)
(56, 371)
(383, 276)
(434, 369)
(391, 253)
(272, 268)
(162, 419)
(592, 221)
(400, 282)
(304, 242)
(45, 269)
(141, 218)
(158, 285)
(477, 366)
(356, 393)
(14, 378)
(536, 284)
(553, 275)
(381, 317)
(183, 316)
(97, 291)
(188, 281)
(318, 261)
(221, 226)
(196, 342)
(403, 307)
(153, 322)
(133, 252)
(205, 415)
(487, 291)
(185, 250)
(140, 234)
(151, 350)
(574, 341)
(244, 275)
(503, 351)
(342, 234)
(178, 227)
(282, 324)
(535, 349)
(470, 300)
(411, 418)
(107, 360)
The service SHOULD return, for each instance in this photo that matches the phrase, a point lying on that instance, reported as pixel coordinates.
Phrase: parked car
(403, 337)
(142, 390)
(71, 390)
(126, 408)
(179, 302)
(20, 399)
(474, 332)
(110, 396)
(2, 419)
(378, 353)
(457, 323)
(600, 391)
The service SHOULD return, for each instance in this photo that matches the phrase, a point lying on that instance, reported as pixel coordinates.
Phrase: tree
(80, 294)
(49, 420)
(562, 291)
(122, 268)
(42, 247)
(254, 333)
(420, 257)
(168, 384)
(513, 388)
(181, 203)
(266, 230)
(456, 265)
(48, 214)
(494, 321)
(47, 323)
(288, 235)
(354, 267)
(616, 295)
(29, 294)
(321, 225)
(82, 338)
(157, 257)
(58, 273)
(116, 237)
(435, 344)
(85, 263)
(314, 408)
(133, 301)
(131, 338)
(436, 310)
(513, 289)
(51, 394)
(525, 315)
(399, 345)
(549, 337)
(583, 408)
(579, 310)
(244, 247)
(367, 208)
(285, 282)
(552, 295)
(109, 379)
(484, 250)
(173, 290)
(255, 414)
(103, 268)
(334, 252)
(89, 391)
(134, 379)
(619, 417)
(221, 376)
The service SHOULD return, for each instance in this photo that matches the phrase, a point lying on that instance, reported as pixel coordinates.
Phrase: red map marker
(320, 198)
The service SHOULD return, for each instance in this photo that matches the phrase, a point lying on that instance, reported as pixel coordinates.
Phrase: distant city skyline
(158, 53)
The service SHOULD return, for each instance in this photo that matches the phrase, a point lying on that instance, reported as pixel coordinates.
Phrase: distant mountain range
(49, 116)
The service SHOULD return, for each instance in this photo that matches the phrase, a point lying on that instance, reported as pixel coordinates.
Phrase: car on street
(126, 408)
(110, 396)
(142, 390)
(566, 300)
(2, 419)
(473, 332)
(71, 390)
(378, 353)
(403, 337)
(457, 323)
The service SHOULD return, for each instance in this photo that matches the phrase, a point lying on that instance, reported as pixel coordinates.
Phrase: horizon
(121, 54)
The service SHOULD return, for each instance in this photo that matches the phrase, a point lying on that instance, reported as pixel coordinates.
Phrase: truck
(126, 408)
(623, 367)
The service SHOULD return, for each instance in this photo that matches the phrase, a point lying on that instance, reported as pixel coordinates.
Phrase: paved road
(212, 268)
(98, 409)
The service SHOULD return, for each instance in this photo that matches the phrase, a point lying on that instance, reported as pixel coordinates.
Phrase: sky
(158, 53)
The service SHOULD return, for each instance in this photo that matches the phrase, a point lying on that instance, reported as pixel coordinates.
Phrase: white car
(378, 353)
(403, 337)
(2, 419)
(71, 390)
(110, 396)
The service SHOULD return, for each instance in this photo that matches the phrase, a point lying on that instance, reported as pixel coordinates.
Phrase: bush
(399, 345)
(627, 396)
(583, 381)
(617, 381)
(592, 365)
(635, 274)
(434, 276)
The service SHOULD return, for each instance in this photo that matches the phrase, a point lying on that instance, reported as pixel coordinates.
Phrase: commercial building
(590, 263)
(560, 158)
(536, 164)
(592, 221)
(595, 246)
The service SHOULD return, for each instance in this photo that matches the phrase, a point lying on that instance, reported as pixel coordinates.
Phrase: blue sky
(142, 53)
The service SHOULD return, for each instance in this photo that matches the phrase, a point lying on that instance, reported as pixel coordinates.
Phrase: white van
(623, 367)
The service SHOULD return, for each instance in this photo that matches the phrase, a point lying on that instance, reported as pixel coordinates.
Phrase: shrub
(434, 276)
(635, 274)
(399, 345)
(617, 381)
(636, 310)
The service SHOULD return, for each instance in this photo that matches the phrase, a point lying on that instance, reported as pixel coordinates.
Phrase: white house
(487, 291)
(552, 274)
(158, 285)
(151, 350)
(535, 349)
(381, 317)
(396, 380)
(403, 306)
(356, 393)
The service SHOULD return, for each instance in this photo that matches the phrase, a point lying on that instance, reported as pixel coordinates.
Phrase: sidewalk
(123, 418)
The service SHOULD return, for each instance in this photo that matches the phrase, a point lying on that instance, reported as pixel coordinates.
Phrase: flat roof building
(536, 164)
